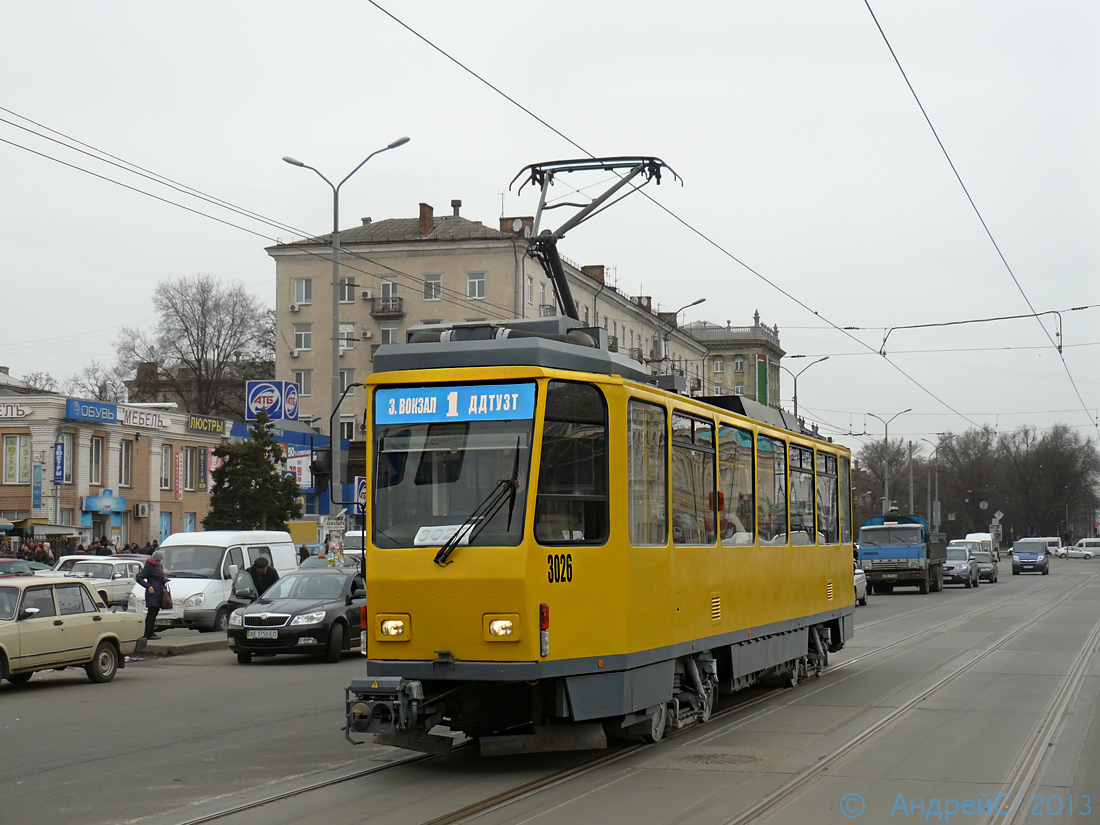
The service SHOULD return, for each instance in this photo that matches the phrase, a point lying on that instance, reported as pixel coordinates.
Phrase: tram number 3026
(560, 568)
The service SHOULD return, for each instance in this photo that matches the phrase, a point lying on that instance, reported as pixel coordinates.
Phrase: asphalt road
(960, 709)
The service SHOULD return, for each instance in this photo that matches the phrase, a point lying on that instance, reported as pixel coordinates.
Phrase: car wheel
(244, 657)
(1046, 570)
(977, 581)
(20, 678)
(103, 596)
(104, 664)
(221, 622)
(335, 644)
(1088, 555)
(863, 601)
(1063, 555)
(968, 583)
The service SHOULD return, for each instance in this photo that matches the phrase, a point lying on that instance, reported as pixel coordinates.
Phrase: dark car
(987, 567)
(961, 567)
(1030, 556)
(314, 611)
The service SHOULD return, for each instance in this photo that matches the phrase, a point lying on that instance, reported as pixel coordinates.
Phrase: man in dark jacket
(263, 574)
(153, 580)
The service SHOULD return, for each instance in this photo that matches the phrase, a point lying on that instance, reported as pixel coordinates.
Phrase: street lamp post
(667, 321)
(334, 428)
(795, 377)
(886, 458)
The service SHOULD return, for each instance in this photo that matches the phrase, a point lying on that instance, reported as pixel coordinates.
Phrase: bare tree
(39, 382)
(98, 382)
(210, 338)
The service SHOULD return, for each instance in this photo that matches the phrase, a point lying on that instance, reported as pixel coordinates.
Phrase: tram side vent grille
(716, 608)
(829, 588)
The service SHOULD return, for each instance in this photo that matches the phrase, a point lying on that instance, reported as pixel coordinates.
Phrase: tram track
(1023, 775)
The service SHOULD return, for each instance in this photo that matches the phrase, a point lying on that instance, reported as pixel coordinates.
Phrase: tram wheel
(657, 724)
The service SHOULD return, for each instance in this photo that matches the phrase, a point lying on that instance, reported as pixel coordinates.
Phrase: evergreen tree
(249, 492)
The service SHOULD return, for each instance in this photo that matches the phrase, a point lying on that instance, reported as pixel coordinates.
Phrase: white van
(986, 540)
(201, 568)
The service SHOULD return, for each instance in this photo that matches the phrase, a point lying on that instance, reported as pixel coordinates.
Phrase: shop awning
(5, 524)
(55, 530)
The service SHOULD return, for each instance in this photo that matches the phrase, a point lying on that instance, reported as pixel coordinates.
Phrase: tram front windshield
(431, 477)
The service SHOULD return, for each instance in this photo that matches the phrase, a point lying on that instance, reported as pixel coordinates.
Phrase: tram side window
(647, 474)
(692, 480)
(844, 486)
(771, 490)
(737, 507)
(571, 507)
(826, 499)
(802, 496)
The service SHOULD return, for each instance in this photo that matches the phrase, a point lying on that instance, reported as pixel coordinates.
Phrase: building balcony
(547, 310)
(387, 308)
(636, 354)
(612, 343)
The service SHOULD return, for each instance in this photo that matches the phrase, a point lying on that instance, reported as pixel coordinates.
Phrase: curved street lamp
(886, 457)
(334, 433)
(795, 377)
(669, 320)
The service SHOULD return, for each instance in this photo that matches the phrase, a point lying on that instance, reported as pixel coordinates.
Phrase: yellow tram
(558, 549)
(554, 540)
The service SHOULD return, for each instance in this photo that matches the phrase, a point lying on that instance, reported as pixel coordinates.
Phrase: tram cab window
(693, 498)
(827, 521)
(647, 473)
(771, 490)
(736, 500)
(802, 496)
(571, 506)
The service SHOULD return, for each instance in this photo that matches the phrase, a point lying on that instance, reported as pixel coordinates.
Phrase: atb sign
(279, 398)
(360, 495)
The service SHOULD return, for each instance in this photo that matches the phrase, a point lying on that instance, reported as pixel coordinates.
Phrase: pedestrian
(303, 553)
(263, 574)
(6, 551)
(41, 555)
(152, 579)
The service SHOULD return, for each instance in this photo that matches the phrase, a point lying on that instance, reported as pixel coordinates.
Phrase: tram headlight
(501, 627)
(393, 627)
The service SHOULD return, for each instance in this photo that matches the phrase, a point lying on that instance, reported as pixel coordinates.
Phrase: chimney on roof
(517, 227)
(594, 271)
(366, 221)
(427, 219)
(456, 204)
(4, 371)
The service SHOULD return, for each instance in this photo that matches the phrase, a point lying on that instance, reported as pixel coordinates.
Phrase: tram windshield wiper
(482, 515)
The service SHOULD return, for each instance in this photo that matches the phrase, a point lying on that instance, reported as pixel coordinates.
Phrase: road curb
(180, 647)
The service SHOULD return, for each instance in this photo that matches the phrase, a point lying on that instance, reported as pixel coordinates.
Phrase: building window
(303, 336)
(388, 287)
(347, 336)
(433, 287)
(347, 290)
(166, 467)
(739, 364)
(67, 516)
(125, 462)
(95, 462)
(388, 334)
(17, 459)
(67, 442)
(719, 364)
(303, 290)
(530, 289)
(190, 468)
(347, 429)
(542, 294)
(739, 388)
(347, 378)
(475, 286)
(304, 380)
(586, 315)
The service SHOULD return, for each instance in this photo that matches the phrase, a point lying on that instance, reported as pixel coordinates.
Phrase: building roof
(397, 230)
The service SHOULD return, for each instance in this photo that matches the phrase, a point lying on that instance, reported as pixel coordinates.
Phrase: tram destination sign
(466, 402)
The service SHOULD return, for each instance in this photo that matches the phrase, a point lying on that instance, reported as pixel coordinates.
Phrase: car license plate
(261, 634)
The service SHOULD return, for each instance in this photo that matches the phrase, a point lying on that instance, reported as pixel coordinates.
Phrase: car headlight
(1040, 557)
(236, 619)
(866, 565)
(309, 618)
(132, 603)
(1015, 557)
(196, 600)
(914, 563)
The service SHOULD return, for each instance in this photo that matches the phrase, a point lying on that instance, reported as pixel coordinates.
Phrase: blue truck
(901, 551)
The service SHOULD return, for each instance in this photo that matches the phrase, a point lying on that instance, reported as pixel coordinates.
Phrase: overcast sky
(813, 188)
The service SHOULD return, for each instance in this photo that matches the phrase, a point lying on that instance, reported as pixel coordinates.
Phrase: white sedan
(112, 578)
(861, 585)
(1084, 549)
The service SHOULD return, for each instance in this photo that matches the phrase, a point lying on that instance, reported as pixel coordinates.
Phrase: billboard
(279, 398)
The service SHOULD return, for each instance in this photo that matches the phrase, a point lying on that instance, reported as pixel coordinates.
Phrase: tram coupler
(381, 704)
